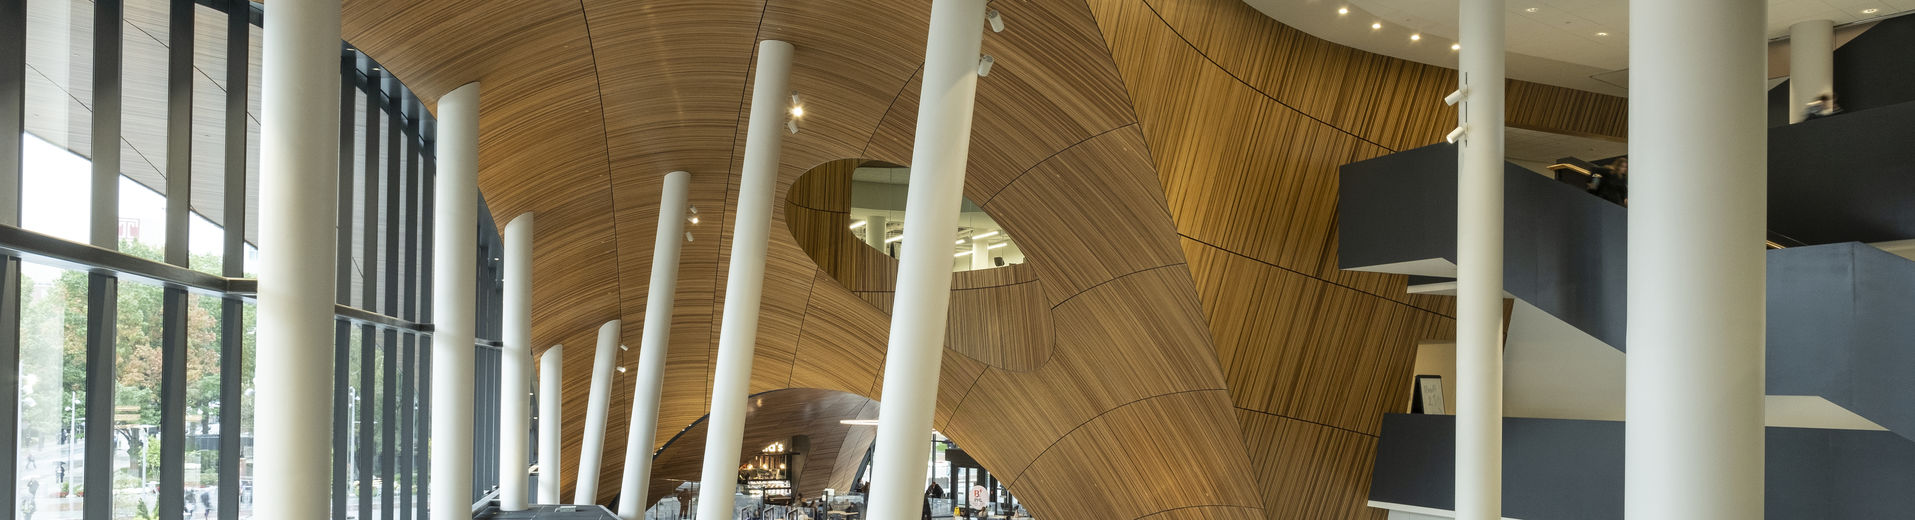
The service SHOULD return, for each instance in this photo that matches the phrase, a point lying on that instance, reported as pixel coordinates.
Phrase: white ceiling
(1555, 42)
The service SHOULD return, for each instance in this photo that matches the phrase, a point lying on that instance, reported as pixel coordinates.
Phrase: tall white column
(299, 161)
(980, 255)
(745, 284)
(591, 452)
(1698, 204)
(515, 367)
(932, 203)
(874, 227)
(650, 382)
(1479, 266)
(551, 417)
(454, 282)
(1811, 64)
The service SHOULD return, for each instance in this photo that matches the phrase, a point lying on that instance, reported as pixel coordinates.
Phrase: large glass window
(180, 331)
(52, 456)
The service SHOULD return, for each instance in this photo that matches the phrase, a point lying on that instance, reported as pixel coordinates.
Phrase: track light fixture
(1456, 97)
(997, 21)
(688, 236)
(792, 125)
(984, 65)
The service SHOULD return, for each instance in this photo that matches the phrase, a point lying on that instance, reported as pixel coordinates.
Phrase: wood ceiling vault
(1168, 166)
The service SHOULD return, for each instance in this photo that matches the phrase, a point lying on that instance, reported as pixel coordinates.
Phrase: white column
(551, 417)
(1698, 203)
(454, 282)
(874, 231)
(1811, 64)
(745, 284)
(515, 374)
(650, 382)
(980, 255)
(591, 452)
(1479, 266)
(932, 203)
(299, 162)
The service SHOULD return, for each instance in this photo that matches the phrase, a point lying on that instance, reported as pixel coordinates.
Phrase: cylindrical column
(924, 270)
(454, 282)
(745, 284)
(591, 452)
(1811, 65)
(650, 382)
(1479, 266)
(515, 367)
(551, 417)
(1698, 204)
(980, 255)
(299, 161)
(874, 227)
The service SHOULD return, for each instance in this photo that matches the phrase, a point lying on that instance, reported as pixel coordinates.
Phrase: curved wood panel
(1167, 164)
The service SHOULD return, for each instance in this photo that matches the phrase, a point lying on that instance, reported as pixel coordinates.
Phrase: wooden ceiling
(1168, 167)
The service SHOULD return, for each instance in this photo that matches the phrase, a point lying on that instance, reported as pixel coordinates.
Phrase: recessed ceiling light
(1376, 25)
(1871, 10)
(1602, 34)
(1456, 46)
(1531, 10)
(1416, 37)
(1343, 10)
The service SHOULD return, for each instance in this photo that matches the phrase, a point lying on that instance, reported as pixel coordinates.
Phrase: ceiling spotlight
(798, 111)
(795, 100)
(792, 125)
(693, 210)
(621, 370)
(1456, 46)
(997, 20)
(688, 236)
(1343, 10)
(858, 224)
(984, 65)
(1531, 10)
(693, 219)
(622, 347)
(1602, 34)
(1416, 37)
(1376, 25)
(1871, 10)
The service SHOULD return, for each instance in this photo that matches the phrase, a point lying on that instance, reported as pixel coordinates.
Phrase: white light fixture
(621, 370)
(1343, 10)
(1531, 10)
(984, 65)
(960, 254)
(693, 210)
(688, 236)
(1457, 96)
(1416, 37)
(1376, 25)
(622, 347)
(795, 100)
(858, 224)
(693, 219)
(1456, 46)
(984, 235)
(792, 125)
(998, 245)
(1602, 34)
(959, 242)
(1871, 10)
(859, 422)
(997, 20)
(798, 111)
(894, 239)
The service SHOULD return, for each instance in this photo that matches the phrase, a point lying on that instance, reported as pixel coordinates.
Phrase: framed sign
(1429, 395)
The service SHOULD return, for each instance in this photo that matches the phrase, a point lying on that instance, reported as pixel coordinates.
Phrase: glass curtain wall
(128, 390)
